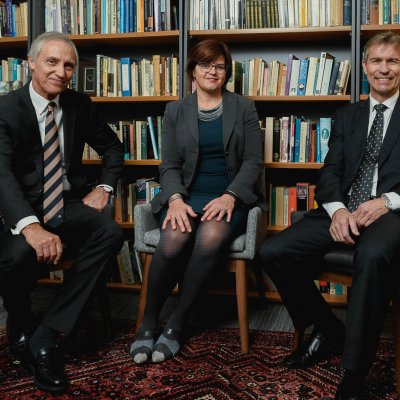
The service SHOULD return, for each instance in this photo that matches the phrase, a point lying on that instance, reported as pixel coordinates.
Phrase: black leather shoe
(316, 348)
(17, 340)
(47, 369)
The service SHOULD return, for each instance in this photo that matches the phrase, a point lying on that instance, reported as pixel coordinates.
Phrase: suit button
(227, 152)
(38, 191)
(230, 169)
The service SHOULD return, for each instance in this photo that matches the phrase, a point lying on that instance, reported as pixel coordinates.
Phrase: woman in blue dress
(211, 163)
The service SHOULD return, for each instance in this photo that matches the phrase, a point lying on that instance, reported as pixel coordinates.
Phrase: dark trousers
(292, 257)
(92, 238)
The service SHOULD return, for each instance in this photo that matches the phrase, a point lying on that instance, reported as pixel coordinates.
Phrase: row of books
(128, 269)
(283, 200)
(116, 77)
(14, 69)
(128, 194)
(379, 12)
(13, 18)
(141, 139)
(296, 139)
(240, 14)
(80, 17)
(319, 76)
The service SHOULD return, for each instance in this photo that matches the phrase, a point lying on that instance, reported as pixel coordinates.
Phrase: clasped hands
(178, 212)
(345, 225)
(47, 245)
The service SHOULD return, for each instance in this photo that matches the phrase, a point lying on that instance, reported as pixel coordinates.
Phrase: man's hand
(219, 207)
(47, 245)
(369, 212)
(343, 226)
(177, 215)
(97, 199)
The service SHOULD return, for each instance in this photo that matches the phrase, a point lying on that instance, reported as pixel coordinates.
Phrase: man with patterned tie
(358, 194)
(44, 202)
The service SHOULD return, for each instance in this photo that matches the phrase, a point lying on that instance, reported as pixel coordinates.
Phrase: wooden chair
(243, 249)
(338, 268)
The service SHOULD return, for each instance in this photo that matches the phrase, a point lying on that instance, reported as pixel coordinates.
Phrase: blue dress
(211, 178)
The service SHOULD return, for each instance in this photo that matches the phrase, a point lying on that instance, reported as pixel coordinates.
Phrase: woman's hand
(177, 215)
(219, 207)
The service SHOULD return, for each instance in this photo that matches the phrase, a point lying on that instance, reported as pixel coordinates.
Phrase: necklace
(209, 115)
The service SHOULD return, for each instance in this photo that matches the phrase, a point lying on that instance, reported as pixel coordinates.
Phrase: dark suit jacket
(346, 146)
(180, 148)
(21, 154)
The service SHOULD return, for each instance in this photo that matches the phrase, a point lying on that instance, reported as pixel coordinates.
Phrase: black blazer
(242, 143)
(21, 154)
(346, 147)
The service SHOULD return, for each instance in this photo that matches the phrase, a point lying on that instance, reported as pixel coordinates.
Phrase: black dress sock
(353, 383)
(43, 338)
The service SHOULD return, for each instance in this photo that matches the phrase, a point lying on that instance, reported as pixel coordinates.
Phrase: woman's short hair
(387, 37)
(38, 43)
(207, 51)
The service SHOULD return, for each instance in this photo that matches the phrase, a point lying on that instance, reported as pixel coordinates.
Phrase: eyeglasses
(206, 67)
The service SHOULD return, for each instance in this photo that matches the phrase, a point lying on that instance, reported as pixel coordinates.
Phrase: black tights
(201, 251)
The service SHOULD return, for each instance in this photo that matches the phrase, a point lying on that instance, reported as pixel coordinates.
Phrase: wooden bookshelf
(293, 165)
(133, 99)
(126, 162)
(302, 99)
(15, 42)
(274, 34)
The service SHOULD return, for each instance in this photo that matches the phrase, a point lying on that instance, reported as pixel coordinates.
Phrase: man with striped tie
(45, 203)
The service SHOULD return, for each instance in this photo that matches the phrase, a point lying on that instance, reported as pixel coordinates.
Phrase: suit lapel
(229, 105)
(361, 132)
(69, 111)
(392, 134)
(32, 126)
(190, 115)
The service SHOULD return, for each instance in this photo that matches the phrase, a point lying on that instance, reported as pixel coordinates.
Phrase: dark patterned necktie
(53, 203)
(362, 185)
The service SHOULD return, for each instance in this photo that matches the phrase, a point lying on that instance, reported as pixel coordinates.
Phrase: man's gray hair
(38, 43)
(387, 37)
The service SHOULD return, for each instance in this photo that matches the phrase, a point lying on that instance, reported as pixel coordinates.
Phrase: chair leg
(143, 290)
(241, 297)
(396, 335)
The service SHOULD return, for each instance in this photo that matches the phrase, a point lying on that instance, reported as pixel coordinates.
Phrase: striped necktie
(53, 203)
(362, 185)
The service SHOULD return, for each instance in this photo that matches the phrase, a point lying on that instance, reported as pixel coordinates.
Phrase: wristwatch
(388, 203)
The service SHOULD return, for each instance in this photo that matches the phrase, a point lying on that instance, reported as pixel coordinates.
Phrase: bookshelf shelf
(367, 31)
(126, 225)
(302, 99)
(126, 162)
(133, 99)
(17, 42)
(272, 34)
(364, 96)
(293, 165)
(126, 39)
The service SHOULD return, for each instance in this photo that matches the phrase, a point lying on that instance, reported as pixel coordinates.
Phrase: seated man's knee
(271, 251)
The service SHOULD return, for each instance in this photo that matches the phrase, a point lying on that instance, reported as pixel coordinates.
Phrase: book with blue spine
(325, 132)
(153, 138)
(296, 148)
(302, 81)
(318, 144)
(126, 81)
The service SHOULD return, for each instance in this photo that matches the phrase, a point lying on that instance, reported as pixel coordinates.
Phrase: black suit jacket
(21, 154)
(346, 147)
(242, 144)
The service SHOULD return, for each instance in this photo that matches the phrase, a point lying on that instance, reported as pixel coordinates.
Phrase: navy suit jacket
(21, 154)
(346, 147)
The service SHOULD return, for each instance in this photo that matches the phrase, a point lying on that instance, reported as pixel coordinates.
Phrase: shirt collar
(389, 103)
(39, 102)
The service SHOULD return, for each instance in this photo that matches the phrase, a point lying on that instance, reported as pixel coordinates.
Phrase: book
(125, 265)
(326, 76)
(294, 77)
(302, 196)
(325, 132)
(153, 138)
(312, 70)
(268, 139)
(321, 70)
(126, 79)
(291, 57)
(302, 81)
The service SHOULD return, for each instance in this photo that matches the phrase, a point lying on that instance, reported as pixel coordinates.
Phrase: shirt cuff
(394, 199)
(332, 207)
(23, 223)
(111, 189)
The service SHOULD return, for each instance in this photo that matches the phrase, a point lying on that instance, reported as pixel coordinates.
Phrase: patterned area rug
(210, 367)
